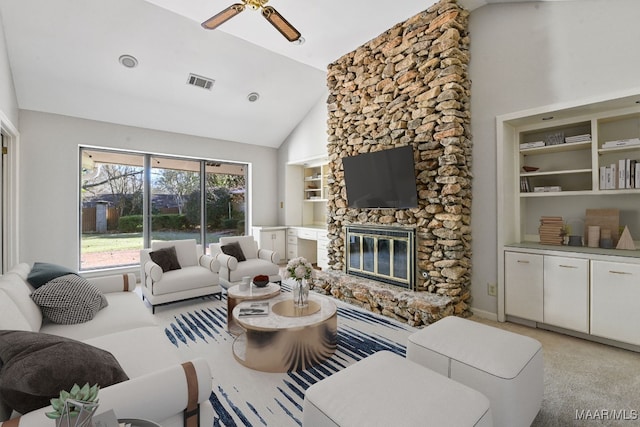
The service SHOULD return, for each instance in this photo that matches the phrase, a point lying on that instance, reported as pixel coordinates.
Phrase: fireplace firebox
(385, 254)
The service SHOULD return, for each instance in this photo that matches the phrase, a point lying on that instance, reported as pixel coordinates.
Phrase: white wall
(49, 176)
(307, 141)
(8, 100)
(529, 55)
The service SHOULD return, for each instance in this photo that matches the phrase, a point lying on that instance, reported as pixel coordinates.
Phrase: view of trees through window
(113, 226)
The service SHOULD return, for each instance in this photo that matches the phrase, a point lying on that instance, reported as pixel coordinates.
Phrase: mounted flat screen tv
(381, 179)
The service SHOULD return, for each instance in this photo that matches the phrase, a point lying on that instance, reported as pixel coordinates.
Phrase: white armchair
(257, 261)
(195, 276)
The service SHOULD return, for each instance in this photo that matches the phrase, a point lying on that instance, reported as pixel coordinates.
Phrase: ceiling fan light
(222, 17)
(281, 24)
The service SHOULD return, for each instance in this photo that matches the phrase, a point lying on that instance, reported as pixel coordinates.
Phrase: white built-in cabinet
(566, 293)
(615, 294)
(272, 238)
(592, 291)
(524, 294)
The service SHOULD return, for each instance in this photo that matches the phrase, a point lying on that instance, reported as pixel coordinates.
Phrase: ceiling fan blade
(281, 24)
(222, 17)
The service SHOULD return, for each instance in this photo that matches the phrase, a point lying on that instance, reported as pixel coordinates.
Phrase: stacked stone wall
(410, 86)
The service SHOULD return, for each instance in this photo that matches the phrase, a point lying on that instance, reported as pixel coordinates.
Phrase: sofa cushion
(69, 299)
(19, 291)
(125, 311)
(233, 249)
(10, 315)
(42, 272)
(186, 279)
(36, 367)
(252, 268)
(166, 258)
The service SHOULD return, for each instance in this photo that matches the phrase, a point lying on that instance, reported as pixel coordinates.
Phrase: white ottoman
(504, 366)
(385, 389)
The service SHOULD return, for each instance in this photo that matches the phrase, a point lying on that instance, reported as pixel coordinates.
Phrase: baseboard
(483, 314)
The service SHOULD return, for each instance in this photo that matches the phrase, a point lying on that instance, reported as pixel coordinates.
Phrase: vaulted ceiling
(64, 60)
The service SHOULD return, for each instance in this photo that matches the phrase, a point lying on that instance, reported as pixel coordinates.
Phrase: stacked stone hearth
(410, 86)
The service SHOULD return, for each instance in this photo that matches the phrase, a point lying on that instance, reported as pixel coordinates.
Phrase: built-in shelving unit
(567, 150)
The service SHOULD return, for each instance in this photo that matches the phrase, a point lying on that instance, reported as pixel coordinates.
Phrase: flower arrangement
(299, 268)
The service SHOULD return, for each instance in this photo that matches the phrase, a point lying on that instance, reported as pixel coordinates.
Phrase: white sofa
(197, 277)
(157, 388)
(258, 261)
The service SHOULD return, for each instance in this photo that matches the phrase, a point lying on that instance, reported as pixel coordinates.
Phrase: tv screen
(381, 179)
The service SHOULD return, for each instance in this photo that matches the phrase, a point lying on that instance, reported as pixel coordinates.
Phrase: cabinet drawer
(307, 234)
(292, 240)
(292, 231)
(615, 292)
(523, 278)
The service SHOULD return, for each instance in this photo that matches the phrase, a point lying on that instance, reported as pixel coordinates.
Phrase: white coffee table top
(274, 321)
(253, 292)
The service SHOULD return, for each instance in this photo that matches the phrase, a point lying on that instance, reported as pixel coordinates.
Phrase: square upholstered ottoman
(385, 389)
(504, 366)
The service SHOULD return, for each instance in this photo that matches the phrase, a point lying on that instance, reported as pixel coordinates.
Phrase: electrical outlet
(492, 289)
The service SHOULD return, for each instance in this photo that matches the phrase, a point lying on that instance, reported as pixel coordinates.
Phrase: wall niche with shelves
(567, 150)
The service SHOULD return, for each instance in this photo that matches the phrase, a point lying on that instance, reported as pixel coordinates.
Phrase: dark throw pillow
(36, 367)
(69, 299)
(166, 258)
(42, 272)
(233, 249)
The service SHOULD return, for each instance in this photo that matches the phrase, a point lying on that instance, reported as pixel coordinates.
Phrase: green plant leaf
(74, 391)
(52, 415)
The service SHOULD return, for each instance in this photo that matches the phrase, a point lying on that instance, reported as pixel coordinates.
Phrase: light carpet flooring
(596, 380)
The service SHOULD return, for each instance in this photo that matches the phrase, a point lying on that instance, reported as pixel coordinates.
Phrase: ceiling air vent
(199, 81)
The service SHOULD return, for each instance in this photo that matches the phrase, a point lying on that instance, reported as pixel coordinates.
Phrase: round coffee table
(236, 295)
(290, 341)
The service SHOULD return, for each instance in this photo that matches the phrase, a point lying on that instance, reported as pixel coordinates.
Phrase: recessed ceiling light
(128, 61)
(300, 41)
(253, 96)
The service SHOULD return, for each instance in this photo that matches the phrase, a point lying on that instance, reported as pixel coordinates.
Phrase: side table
(235, 295)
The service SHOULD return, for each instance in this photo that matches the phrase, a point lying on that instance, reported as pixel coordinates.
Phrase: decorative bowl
(530, 168)
(261, 281)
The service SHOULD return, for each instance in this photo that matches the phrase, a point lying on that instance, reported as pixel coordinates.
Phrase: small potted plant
(75, 408)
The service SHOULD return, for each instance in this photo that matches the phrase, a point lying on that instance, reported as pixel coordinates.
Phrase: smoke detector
(253, 96)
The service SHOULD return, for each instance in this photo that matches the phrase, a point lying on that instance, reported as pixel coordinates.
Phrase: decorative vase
(77, 413)
(300, 293)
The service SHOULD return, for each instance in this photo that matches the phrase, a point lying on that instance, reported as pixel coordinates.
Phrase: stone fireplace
(408, 86)
(385, 254)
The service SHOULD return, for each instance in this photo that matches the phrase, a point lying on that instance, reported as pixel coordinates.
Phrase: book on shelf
(254, 309)
(547, 189)
(525, 187)
(621, 143)
(534, 144)
(578, 138)
(620, 175)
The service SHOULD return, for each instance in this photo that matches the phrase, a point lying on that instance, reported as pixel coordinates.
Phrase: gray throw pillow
(36, 367)
(166, 258)
(43, 272)
(69, 299)
(233, 249)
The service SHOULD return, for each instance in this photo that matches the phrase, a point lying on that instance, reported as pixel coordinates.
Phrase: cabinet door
(523, 285)
(615, 292)
(566, 293)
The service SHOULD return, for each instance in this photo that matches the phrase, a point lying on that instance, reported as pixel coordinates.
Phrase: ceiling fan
(269, 13)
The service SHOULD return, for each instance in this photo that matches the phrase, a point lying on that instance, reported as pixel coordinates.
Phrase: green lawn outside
(95, 243)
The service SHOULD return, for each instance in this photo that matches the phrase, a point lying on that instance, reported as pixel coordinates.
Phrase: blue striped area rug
(244, 397)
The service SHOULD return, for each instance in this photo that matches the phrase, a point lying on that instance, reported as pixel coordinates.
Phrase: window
(185, 199)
